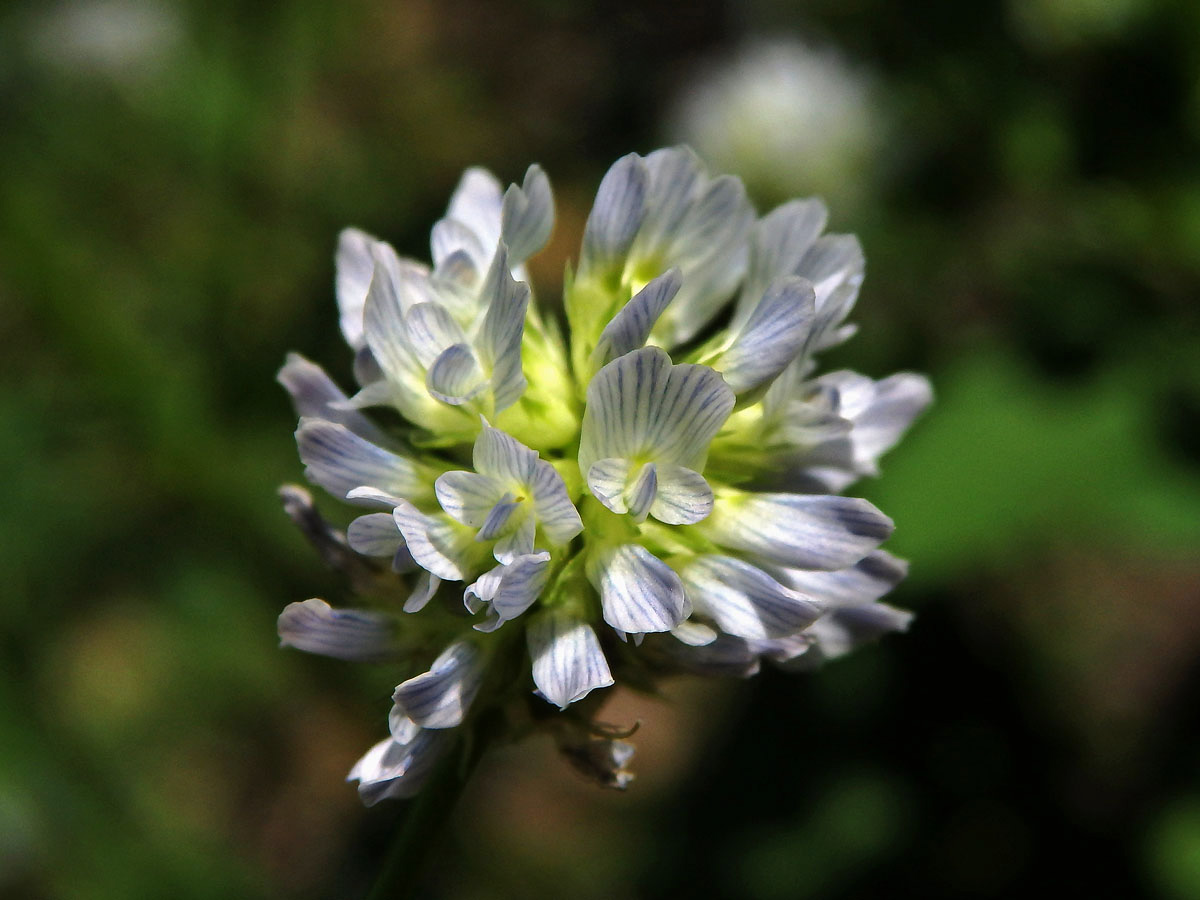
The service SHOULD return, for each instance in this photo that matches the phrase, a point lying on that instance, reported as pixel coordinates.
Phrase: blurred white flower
(554, 502)
(787, 116)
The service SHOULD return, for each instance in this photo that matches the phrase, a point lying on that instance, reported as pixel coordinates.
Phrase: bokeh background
(1025, 177)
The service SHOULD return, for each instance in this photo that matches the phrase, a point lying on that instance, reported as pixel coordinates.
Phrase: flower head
(655, 491)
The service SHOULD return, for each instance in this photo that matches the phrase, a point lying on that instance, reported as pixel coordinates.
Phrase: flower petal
(501, 456)
(640, 405)
(467, 497)
(517, 542)
(394, 770)
(556, 514)
(616, 215)
(455, 376)
(438, 544)
(683, 497)
(639, 593)
(441, 697)
(772, 337)
(745, 601)
(778, 243)
(606, 479)
(499, 341)
(375, 534)
(867, 580)
(451, 237)
(476, 202)
(849, 627)
(799, 530)
(498, 518)
(424, 588)
(568, 663)
(314, 395)
(357, 635)
(428, 330)
(511, 589)
(527, 215)
(339, 460)
(630, 328)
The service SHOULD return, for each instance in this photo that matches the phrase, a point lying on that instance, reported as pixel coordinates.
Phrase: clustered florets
(651, 477)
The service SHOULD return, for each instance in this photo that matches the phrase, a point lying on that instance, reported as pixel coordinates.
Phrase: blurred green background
(1025, 178)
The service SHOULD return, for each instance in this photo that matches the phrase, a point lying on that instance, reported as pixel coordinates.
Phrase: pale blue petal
(455, 376)
(640, 492)
(694, 634)
(683, 496)
(849, 627)
(725, 656)
(867, 580)
(527, 215)
(357, 635)
(616, 215)
(424, 587)
(606, 479)
(778, 243)
(630, 328)
(518, 542)
(676, 176)
(375, 534)
(383, 324)
(314, 395)
(568, 663)
(339, 460)
(772, 337)
(803, 531)
(499, 341)
(897, 402)
(556, 514)
(439, 545)
(502, 457)
(639, 593)
(428, 330)
(467, 497)
(510, 589)
(641, 405)
(354, 268)
(451, 237)
(743, 600)
(476, 202)
(441, 697)
(397, 771)
(498, 518)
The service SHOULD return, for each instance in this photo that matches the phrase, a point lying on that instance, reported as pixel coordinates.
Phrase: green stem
(426, 819)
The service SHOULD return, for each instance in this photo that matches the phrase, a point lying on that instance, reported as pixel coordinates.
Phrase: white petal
(867, 580)
(498, 518)
(527, 215)
(694, 634)
(639, 593)
(424, 588)
(683, 496)
(339, 461)
(616, 215)
(393, 770)
(451, 237)
(455, 376)
(556, 514)
(606, 479)
(630, 328)
(744, 600)
(641, 405)
(383, 324)
(358, 635)
(772, 337)
(499, 341)
(845, 629)
(467, 497)
(676, 176)
(778, 243)
(375, 534)
(476, 202)
(314, 395)
(568, 663)
(898, 401)
(439, 545)
(511, 589)
(640, 492)
(502, 457)
(441, 697)
(517, 542)
(358, 254)
(804, 531)
(428, 330)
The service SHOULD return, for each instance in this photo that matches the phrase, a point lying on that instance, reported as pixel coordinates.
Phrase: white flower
(648, 475)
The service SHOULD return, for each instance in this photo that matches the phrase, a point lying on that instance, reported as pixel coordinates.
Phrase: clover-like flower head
(643, 493)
